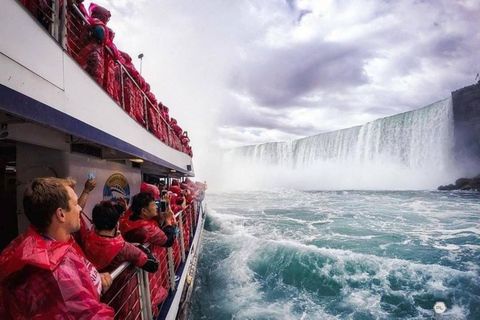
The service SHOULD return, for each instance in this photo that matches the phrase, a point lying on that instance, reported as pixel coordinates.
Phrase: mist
(408, 151)
(235, 174)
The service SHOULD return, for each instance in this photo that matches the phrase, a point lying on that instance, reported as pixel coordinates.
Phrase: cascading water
(411, 150)
(281, 243)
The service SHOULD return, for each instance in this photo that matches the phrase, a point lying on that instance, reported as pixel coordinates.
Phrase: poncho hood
(31, 248)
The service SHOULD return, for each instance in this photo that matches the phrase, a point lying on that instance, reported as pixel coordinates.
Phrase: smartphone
(91, 176)
(163, 206)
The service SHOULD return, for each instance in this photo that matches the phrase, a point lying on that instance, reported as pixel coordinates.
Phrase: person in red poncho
(175, 187)
(111, 79)
(107, 249)
(139, 225)
(43, 272)
(92, 56)
(150, 188)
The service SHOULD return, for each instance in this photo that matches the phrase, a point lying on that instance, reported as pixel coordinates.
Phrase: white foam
(250, 229)
(448, 247)
(363, 300)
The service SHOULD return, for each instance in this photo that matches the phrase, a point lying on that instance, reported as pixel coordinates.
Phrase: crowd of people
(60, 267)
(91, 43)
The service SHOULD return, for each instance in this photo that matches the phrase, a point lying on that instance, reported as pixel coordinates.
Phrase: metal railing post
(145, 109)
(141, 293)
(62, 26)
(182, 240)
(147, 314)
(192, 217)
(52, 28)
(122, 84)
(171, 268)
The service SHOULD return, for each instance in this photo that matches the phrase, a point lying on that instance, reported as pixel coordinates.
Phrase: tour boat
(58, 120)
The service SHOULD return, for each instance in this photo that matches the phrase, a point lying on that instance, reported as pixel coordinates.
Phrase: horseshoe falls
(348, 224)
(412, 150)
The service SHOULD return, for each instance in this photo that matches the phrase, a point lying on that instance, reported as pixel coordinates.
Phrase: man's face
(72, 217)
(150, 211)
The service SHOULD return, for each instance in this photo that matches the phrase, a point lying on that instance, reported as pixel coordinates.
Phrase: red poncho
(128, 85)
(111, 81)
(166, 115)
(133, 97)
(77, 30)
(154, 125)
(92, 56)
(98, 12)
(142, 231)
(103, 251)
(47, 279)
(148, 231)
(177, 129)
(150, 188)
(139, 108)
(175, 189)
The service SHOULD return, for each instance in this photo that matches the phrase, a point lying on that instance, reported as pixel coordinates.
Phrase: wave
(264, 278)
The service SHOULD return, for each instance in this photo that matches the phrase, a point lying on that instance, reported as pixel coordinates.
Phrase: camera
(161, 205)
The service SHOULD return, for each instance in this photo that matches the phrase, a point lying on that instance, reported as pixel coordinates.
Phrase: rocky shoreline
(463, 184)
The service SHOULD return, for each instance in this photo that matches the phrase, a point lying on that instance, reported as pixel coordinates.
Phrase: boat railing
(148, 120)
(67, 24)
(169, 137)
(132, 288)
(127, 293)
(45, 12)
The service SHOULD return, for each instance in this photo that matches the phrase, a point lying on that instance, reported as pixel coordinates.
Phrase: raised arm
(90, 184)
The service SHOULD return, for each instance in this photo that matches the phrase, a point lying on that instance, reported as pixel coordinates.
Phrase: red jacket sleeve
(132, 254)
(158, 238)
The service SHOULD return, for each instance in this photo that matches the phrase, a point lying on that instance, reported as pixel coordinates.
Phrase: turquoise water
(339, 255)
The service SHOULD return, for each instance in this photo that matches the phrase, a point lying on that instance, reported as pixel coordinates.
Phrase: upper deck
(41, 83)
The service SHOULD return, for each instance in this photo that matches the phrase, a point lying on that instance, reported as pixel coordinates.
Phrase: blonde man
(43, 272)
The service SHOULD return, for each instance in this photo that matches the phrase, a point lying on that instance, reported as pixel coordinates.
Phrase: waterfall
(407, 150)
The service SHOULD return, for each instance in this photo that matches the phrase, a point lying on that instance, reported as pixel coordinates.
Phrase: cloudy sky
(241, 72)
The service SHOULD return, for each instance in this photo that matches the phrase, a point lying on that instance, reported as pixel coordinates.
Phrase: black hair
(105, 216)
(140, 201)
(120, 209)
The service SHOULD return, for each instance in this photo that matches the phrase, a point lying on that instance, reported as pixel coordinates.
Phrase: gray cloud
(263, 118)
(281, 77)
(257, 71)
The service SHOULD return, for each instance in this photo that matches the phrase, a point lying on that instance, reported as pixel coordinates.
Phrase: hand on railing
(106, 281)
